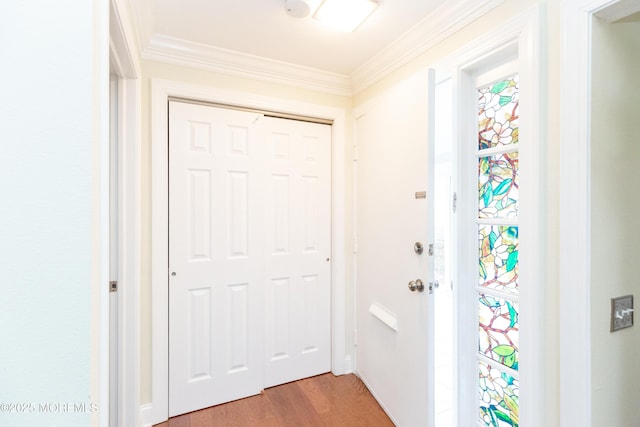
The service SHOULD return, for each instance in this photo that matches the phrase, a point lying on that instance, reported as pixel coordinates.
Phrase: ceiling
(263, 28)
(257, 39)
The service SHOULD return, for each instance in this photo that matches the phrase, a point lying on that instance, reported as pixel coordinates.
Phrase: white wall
(50, 130)
(615, 230)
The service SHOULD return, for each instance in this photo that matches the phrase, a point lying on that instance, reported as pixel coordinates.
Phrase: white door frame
(161, 90)
(520, 36)
(575, 204)
(125, 65)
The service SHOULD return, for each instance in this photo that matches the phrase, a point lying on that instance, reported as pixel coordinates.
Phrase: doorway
(615, 161)
(162, 90)
(125, 235)
(591, 386)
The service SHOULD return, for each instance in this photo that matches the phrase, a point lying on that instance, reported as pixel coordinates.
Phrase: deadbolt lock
(433, 285)
(418, 248)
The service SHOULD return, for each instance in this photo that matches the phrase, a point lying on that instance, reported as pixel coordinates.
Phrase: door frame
(161, 91)
(575, 203)
(126, 67)
(521, 38)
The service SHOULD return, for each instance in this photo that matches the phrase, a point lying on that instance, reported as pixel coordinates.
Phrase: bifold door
(249, 253)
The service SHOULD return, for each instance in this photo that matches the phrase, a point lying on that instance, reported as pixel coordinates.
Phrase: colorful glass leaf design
(498, 186)
(498, 394)
(498, 330)
(498, 113)
(498, 195)
(498, 252)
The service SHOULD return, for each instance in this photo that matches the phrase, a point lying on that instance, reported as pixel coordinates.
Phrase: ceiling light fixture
(345, 15)
(297, 8)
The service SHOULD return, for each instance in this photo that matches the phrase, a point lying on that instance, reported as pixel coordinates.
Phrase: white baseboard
(375, 396)
(146, 412)
(348, 365)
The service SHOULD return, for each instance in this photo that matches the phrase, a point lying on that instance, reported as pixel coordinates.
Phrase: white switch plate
(621, 312)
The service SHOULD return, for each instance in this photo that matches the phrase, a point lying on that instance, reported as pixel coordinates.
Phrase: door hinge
(113, 286)
(454, 202)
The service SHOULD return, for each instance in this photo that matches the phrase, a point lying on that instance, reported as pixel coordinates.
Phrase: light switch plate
(621, 312)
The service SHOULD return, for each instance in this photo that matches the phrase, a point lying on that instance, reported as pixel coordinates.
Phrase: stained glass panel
(498, 397)
(498, 186)
(498, 330)
(498, 203)
(498, 113)
(498, 252)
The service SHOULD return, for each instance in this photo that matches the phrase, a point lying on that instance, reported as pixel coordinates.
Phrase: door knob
(416, 285)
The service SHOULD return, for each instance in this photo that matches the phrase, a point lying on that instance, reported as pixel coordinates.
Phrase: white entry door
(248, 243)
(394, 217)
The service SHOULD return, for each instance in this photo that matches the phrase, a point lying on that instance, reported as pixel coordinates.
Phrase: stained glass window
(498, 392)
(498, 255)
(498, 186)
(498, 330)
(498, 113)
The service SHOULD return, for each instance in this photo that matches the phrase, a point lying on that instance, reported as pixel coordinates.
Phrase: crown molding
(181, 52)
(143, 22)
(431, 30)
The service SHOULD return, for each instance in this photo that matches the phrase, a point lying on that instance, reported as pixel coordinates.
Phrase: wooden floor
(325, 400)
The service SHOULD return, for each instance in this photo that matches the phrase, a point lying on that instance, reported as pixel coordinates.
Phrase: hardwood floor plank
(354, 404)
(293, 406)
(322, 401)
(316, 392)
(200, 418)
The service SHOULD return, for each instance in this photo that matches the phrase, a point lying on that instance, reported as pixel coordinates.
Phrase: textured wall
(48, 200)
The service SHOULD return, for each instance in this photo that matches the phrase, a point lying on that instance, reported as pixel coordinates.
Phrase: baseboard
(146, 412)
(348, 365)
(375, 396)
(345, 367)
